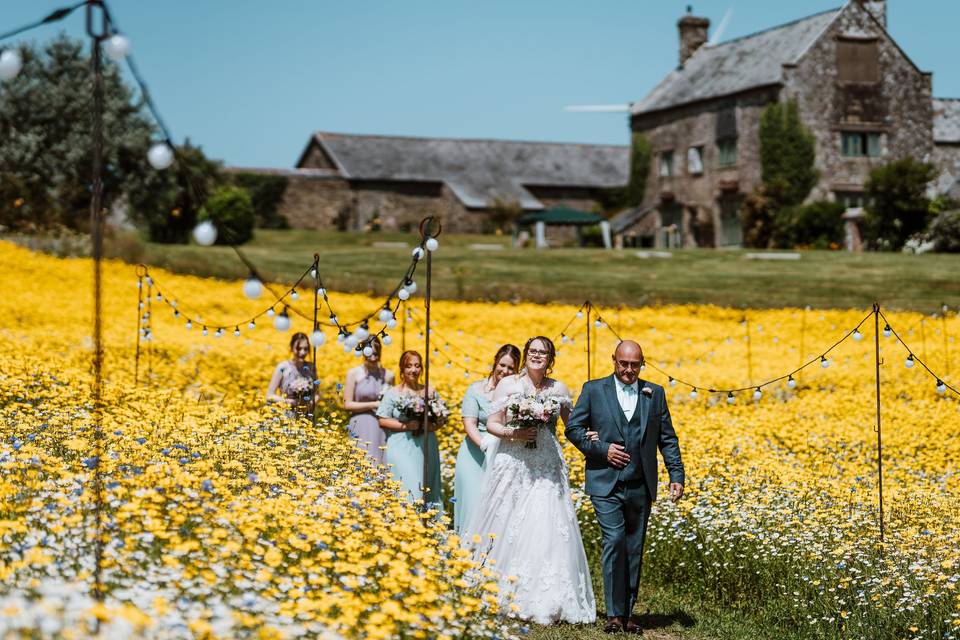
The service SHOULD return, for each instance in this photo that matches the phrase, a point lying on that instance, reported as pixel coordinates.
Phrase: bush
(945, 232)
(899, 205)
(266, 194)
(231, 210)
(818, 225)
(756, 217)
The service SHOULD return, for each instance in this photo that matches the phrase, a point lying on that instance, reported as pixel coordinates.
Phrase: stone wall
(946, 157)
(899, 105)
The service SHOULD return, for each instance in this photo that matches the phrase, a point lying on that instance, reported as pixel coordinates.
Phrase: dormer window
(858, 61)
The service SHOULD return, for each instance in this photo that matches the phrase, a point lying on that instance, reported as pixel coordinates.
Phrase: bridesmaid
(293, 380)
(361, 397)
(476, 407)
(404, 447)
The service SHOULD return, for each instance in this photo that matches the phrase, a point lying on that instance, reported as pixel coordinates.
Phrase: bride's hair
(505, 350)
(551, 353)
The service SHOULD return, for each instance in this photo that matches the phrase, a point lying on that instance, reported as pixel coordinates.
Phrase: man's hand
(676, 491)
(617, 456)
(593, 436)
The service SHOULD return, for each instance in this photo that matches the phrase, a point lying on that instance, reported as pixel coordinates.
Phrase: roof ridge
(774, 28)
(449, 139)
(947, 99)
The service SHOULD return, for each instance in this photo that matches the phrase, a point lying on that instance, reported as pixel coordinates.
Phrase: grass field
(821, 279)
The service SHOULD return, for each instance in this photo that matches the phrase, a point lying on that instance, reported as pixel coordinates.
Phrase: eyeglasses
(538, 352)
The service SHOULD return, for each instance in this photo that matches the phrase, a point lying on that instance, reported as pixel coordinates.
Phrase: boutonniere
(647, 391)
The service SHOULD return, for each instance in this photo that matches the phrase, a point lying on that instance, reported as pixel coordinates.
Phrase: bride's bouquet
(411, 407)
(533, 410)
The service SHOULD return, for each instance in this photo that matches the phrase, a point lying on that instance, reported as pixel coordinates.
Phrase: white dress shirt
(627, 395)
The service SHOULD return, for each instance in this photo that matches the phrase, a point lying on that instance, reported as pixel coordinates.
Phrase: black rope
(915, 357)
(54, 16)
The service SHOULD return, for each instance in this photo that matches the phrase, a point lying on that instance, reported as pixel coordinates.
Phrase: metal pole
(316, 326)
(876, 342)
(746, 322)
(96, 233)
(136, 359)
(403, 326)
(923, 339)
(427, 231)
(946, 342)
(589, 368)
(803, 335)
(148, 331)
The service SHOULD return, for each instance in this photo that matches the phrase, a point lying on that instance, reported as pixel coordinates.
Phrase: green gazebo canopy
(560, 215)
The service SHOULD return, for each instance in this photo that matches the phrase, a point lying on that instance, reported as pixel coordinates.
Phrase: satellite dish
(599, 108)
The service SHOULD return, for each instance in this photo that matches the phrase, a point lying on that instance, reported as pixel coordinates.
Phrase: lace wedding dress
(536, 547)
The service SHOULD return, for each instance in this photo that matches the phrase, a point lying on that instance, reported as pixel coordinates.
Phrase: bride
(525, 526)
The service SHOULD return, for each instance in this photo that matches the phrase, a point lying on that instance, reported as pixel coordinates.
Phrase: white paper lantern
(117, 47)
(252, 288)
(205, 233)
(10, 64)
(160, 156)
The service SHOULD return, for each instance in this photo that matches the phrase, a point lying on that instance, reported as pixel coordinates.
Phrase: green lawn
(821, 279)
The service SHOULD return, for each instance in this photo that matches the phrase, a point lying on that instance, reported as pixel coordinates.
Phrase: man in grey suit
(631, 421)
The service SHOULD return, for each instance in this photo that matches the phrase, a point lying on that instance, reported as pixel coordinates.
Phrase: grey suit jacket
(650, 429)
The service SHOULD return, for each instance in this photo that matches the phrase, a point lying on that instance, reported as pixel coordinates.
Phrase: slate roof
(736, 65)
(478, 171)
(946, 120)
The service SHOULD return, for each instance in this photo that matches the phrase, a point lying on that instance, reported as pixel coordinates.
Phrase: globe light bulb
(857, 335)
(824, 363)
(579, 315)
(271, 312)
(317, 338)
(341, 337)
(693, 394)
(757, 394)
(387, 340)
(791, 382)
(322, 292)
(205, 234)
(294, 295)
(368, 351)
(160, 156)
(909, 362)
(941, 388)
(205, 332)
(730, 398)
(357, 353)
(189, 325)
(117, 47)
(282, 321)
(673, 382)
(10, 64)
(385, 315)
(351, 340)
(251, 325)
(596, 323)
(333, 320)
(432, 245)
(392, 323)
(410, 286)
(403, 294)
(252, 288)
(362, 333)
(887, 331)
(236, 332)
(417, 253)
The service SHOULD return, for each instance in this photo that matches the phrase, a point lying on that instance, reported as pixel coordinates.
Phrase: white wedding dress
(525, 502)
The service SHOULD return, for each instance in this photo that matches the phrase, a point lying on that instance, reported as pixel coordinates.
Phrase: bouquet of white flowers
(533, 410)
(411, 407)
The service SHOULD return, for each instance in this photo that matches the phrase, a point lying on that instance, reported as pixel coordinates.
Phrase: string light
(205, 332)
(236, 332)
(189, 325)
(117, 47)
(387, 340)
(791, 382)
(432, 245)
(294, 295)
(403, 294)
(673, 382)
(10, 64)
(204, 233)
(909, 362)
(730, 397)
(362, 332)
(693, 393)
(252, 325)
(887, 331)
(757, 394)
(941, 387)
(317, 338)
(282, 321)
(410, 286)
(417, 253)
(252, 287)
(160, 157)
(857, 335)
(824, 363)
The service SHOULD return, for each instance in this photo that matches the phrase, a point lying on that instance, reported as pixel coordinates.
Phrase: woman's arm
(470, 412)
(392, 424)
(566, 407)
(349, 387)
(272, 395)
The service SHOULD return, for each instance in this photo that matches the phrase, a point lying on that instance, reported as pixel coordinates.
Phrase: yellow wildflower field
(225, 518)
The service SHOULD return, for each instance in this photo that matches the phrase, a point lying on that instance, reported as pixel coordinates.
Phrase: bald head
(627, 360)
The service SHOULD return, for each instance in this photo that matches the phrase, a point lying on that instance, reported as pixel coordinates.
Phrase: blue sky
(250, 80)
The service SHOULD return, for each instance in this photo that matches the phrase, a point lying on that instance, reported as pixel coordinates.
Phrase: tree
(266, 193)
(787, 155)
(46, 140)
(818, 225)
(631, 194)
(899, 207)
(231, 210)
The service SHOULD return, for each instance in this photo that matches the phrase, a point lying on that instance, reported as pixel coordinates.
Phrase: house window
(727, 152)
(851, 199)
(860, 144)
(695, 161)
(666, 164)
(858, 61)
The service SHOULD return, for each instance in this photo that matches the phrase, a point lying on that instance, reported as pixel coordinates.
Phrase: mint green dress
(404, 454)
(466, 482)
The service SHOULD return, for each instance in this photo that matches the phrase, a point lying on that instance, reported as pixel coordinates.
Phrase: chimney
(693, 34)
(878, 8)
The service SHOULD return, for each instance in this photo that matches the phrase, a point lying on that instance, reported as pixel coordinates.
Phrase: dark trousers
(622, 516)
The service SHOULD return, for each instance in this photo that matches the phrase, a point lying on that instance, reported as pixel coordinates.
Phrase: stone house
(858, 92)
(355, 182)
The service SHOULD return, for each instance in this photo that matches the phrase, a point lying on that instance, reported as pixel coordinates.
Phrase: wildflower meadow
(224, 518)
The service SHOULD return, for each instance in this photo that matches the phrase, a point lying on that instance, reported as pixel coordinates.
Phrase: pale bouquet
(411, 406)
(538, 411)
